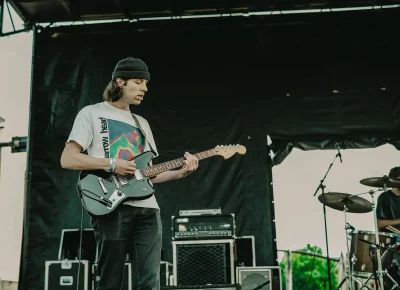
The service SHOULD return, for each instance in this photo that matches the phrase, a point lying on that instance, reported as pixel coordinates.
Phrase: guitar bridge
(115, 198)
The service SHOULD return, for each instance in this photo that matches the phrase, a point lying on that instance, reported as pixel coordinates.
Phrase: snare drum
(360, 251)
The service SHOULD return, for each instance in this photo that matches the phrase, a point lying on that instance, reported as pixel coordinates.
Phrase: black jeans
(129, 230)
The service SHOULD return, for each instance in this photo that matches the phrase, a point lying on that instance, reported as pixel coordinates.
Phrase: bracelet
(111, 167)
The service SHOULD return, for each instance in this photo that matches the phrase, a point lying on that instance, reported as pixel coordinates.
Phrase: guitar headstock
(228, 151)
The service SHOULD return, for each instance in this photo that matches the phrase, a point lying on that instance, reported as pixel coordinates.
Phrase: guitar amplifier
(203, 262)
(63, 275)
(203, 227)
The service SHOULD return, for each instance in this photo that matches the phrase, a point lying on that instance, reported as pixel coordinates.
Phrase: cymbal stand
(364, 284)
(378, 251)
(380, 272)
(349, 275)
(368, 192)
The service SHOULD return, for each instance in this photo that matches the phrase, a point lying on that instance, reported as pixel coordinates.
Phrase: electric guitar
(101, 192)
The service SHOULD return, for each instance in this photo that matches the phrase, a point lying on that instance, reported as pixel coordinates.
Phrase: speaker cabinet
(250, 278)
(203, 262)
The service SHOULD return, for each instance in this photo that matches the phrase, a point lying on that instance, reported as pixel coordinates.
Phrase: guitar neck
(165, 166)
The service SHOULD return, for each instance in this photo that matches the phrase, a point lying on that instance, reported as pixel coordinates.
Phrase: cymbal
(381, 182)
(338, 200)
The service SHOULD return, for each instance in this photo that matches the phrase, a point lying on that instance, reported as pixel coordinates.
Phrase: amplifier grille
(201, 264)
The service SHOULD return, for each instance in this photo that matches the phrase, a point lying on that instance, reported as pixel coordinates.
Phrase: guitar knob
(144, 189)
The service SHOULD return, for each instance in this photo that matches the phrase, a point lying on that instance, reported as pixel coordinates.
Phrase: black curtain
(195, 102)
(309, 79)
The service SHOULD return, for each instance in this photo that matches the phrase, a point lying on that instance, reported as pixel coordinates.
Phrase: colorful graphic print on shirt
(124, 141)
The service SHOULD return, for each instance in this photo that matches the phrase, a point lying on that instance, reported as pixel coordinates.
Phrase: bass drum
(391, 263)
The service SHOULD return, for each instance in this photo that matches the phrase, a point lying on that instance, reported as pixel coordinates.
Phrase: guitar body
(102, 192)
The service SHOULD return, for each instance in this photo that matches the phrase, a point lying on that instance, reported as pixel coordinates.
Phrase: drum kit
(372, 256)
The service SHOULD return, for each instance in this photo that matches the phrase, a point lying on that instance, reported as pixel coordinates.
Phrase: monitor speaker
(262, 278)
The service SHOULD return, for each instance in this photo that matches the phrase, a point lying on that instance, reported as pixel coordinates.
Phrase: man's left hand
(191, 164)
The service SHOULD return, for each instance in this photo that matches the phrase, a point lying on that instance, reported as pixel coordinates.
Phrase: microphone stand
(379, 246)
(322, 187)
(262, 285)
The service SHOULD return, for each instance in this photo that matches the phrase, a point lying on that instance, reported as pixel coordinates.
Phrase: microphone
(339, 155)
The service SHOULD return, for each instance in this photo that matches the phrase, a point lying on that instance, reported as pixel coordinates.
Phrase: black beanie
(131, 68)
(394, 172)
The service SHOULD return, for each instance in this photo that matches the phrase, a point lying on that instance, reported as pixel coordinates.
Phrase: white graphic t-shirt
(108, 132)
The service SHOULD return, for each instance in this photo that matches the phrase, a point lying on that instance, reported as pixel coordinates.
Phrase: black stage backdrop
(308, 82)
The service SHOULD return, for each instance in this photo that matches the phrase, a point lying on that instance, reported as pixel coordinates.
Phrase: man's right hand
(124, 167)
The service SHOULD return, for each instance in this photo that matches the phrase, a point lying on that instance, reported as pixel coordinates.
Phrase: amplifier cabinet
(202, 262)
(127, 285)
(252, 277)
(63, 275)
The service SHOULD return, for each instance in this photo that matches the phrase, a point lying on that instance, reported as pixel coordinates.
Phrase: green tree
(302, 267)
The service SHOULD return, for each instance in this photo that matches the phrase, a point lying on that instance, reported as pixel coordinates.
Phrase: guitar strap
(141, 130)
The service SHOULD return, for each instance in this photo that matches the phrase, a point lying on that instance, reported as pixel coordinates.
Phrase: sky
(299, 216)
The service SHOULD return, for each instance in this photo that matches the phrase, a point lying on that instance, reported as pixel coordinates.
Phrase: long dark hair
(113, 92)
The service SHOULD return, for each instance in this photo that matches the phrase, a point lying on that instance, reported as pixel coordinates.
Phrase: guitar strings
(132, 175)
(158, 165)
(180, 160)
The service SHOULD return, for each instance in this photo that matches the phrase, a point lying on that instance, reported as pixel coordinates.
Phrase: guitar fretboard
(176, 163)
